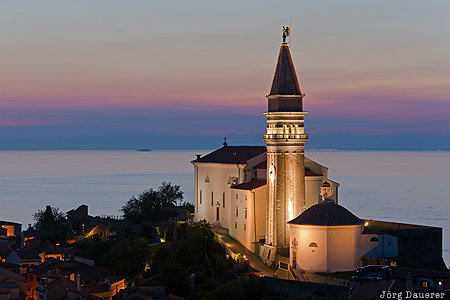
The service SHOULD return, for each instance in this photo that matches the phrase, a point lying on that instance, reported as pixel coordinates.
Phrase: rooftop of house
(28, 254)
(251, 185)
(9, 223)
(232, 155)
(8, 285)
(327, 214)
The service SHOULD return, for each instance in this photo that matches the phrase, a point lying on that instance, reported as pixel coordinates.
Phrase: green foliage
(48, 218)
(176, 278)
(148, 205)
(92, 248)
(131, 258)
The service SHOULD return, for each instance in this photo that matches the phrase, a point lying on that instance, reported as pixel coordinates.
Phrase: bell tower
(285, 139)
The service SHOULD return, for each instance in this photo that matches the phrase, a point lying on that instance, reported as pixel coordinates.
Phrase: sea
(400, 186)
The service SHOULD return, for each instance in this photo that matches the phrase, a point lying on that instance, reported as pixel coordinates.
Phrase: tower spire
(285, 139)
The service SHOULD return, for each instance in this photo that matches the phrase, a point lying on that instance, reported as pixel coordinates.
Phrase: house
(12, 228)
(25, 258)
(56, 253)
(32, 238)
(9, 290)
(410, 278)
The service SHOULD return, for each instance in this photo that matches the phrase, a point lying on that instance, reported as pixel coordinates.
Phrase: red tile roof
(232, 154)
(251, 185)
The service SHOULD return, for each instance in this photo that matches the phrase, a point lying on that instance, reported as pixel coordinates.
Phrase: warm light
(272, 173)
(439, 283)
(366, 224)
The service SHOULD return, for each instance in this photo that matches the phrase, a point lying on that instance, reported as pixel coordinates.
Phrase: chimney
(198, 156)
(77, 282)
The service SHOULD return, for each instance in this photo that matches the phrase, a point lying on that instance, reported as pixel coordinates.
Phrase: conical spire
(285, 80)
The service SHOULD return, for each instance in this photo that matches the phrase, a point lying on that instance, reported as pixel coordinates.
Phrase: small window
(312, 244)
(207, 179)
(424, 283)
(245, 213)
(245, 227)
(212, 198)
(200, 197)
(223, 199)
(245, 197)
(237, 212)
(235, 225)
(237, 196)
(374, 239)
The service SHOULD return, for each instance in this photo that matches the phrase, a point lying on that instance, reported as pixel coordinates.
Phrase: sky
(113, 74)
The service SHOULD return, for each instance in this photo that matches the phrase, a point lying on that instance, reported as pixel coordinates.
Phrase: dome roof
(326, 184)
(327, 214)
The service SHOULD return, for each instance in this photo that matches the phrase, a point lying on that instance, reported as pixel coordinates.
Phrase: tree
(131, 258)
(149, 203)
(48, 218)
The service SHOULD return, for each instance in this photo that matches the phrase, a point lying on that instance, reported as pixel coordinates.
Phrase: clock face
(272, 173)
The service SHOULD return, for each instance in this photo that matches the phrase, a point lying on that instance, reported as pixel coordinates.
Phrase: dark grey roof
(285, 80)
(28, 254)
(9, 223)
(327, 214)
(251, 185)
(232, 154)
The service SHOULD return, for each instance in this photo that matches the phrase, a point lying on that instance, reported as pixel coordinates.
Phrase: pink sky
(356, 60)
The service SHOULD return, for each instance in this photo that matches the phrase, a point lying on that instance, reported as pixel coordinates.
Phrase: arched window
(212, 198)
(374, 239)
(313, 244)
(207, 179)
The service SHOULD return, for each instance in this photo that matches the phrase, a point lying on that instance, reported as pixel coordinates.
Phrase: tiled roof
(311, 173)
(232, 154)
(285, 80)
(9, 223)
(251, 185)
(28, 254)
(327, 214)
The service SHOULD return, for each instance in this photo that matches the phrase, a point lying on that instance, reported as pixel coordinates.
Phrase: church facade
(261, 194)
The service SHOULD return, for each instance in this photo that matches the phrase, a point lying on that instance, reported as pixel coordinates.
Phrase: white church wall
(343, 248)
(312, 247)
(312, 190)
(213, 180)
(251, 207)
(260, 211)
(325, 248)
(241, 219)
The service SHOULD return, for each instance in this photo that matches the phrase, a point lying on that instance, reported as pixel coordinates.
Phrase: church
(273, 199)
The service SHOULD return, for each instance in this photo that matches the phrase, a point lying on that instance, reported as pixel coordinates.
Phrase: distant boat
(144, 150)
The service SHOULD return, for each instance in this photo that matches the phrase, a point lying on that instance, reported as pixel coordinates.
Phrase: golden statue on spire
(286, 32)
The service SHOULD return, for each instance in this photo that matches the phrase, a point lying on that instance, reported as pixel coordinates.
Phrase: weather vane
(286, 32)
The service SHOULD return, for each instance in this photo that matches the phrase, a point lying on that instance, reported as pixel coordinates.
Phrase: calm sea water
(410, 187)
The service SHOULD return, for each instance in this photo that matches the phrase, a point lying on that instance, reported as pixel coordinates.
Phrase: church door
(217, 213)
